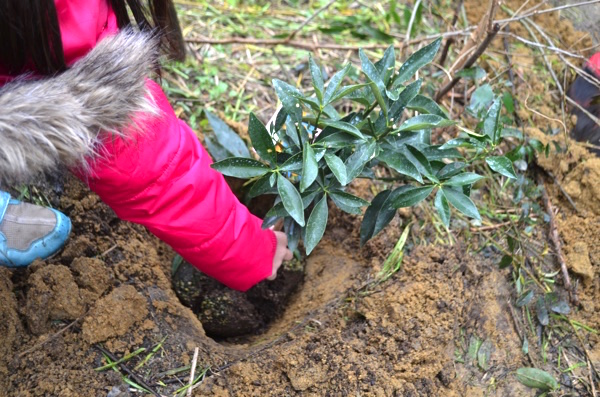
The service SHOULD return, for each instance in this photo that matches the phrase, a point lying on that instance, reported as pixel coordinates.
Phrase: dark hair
(30, 34)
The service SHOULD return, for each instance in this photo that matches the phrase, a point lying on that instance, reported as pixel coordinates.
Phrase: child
(146, 164)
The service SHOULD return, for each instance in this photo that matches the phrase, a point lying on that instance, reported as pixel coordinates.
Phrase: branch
(482, 47)
(539, 12)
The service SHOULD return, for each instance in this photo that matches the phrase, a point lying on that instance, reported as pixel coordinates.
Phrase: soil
(342, 333)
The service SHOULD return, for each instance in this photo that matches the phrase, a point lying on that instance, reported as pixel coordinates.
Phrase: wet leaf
(345, 91)
(343, 126)
(426, 105)
(291, 199)
(378, 215)
(317, 78)
(386, 65)
(401, 164)
(416, 61)
(491, 119)
(461, 202)
(502, 165)
(334, 83)
(315, 227)
(536, 378)
(240, 167)
(411, 196)
(505, 262)
(442, 207)
(261, 139)
(481, 98)
(310, 167)
(451, 169)
(377, 86)
(466, 178)
(290, 99)
(226, 138)
(405, 97)
(336, 165)
(425, 121)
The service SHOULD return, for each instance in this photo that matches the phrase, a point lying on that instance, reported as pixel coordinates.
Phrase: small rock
(579, 262)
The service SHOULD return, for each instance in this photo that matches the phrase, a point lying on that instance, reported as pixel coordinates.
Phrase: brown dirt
(340, 335)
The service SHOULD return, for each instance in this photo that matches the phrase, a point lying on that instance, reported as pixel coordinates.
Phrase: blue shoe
(29, 232)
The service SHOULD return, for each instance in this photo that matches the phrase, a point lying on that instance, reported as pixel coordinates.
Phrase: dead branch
(556, 241)
(450, 40)
(539, 12)
(476, 54)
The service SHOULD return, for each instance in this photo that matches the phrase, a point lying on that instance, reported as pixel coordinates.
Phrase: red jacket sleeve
(161, 178)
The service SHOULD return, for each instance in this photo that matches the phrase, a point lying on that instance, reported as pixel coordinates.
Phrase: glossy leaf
(377, 216)
(502, 165)
(241, 167)
(261, 186)
(289, 97)
(491, 120)
(536, 378)
(400, 163)
(442, 207)
(347, 202)
(466, 178)
(294, 163)
(228, 139)
(377, 86)
(343, 126)
(310, 168)
(261, 139)
(357, 161)
(451, 169)
(426, 105)
(345, 91)
(317, 78)
(336, 165)
(291, 199)
(416, 61)
(461, 202)
(420, 161)
(386, 65)
(334, 83)
(424, 121)
(407, 95)
(411, 196)
(315, 226)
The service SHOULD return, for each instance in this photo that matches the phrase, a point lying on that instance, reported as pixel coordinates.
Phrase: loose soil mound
(341, 334)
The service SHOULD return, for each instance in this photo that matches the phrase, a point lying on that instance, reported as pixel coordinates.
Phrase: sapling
(311, 153)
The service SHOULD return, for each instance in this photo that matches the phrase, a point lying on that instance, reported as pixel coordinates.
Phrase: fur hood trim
(57, 120)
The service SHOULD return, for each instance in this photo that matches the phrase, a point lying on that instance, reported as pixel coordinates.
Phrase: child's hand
(282, 253)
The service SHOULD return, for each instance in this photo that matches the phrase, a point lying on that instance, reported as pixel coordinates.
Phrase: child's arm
(161, 178)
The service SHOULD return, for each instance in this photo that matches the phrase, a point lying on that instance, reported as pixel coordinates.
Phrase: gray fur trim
(57, 120)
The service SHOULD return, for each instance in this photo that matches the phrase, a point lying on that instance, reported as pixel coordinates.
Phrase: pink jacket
(161, 178)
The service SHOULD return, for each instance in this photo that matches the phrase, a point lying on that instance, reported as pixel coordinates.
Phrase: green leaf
(536, 378)
(461, 202)
(317, 78)
(334, 83)
(502, 165)
(407, 95)
(481, 98)
(466, 178)
(423, 121)
(524, 299)
(491, 119)
(426, 105)
(411, 195)
(291, 199)
(416, 61)
(377, 216)
(241, 167)
(294, 163)
(315, 227)
(451, 169)
(505, 262)
(336, 165)
(310, 168)
(420, 161)
(386, 65)
(542, 311)
(377, 86)
(261, 186)
(442, 207)
(483, 355)
(261, 139)
(290, 99)
(343, 126)
(400, 163)
(228, 139)
(348, 199)
(357, 161)
(345, 91)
